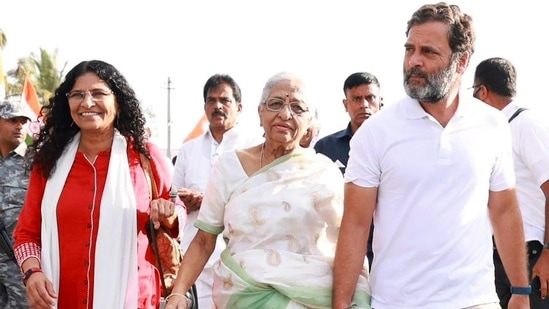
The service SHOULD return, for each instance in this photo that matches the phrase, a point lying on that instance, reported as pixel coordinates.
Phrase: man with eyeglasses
(495, 85)
(222, 105)
(14, 180)
(362, 99)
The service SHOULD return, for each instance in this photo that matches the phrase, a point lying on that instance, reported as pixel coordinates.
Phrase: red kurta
(78, 219)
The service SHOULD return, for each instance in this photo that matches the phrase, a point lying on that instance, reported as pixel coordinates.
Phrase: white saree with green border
(281, 226)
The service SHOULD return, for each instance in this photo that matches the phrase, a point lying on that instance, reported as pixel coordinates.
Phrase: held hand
(541, 269)
(191, 198)
(40, 293)
(162, 211)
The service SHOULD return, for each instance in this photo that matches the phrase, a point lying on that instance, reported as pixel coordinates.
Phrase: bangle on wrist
(521, 290)
(546, 245)
(187, 299)
(29, 273)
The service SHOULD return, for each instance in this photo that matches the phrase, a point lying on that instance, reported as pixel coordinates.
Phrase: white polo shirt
(531, 159)
(432, 238)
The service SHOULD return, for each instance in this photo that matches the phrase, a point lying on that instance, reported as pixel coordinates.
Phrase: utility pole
(168, 151)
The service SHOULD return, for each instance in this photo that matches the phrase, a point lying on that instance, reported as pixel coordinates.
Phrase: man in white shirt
(222, 105)
(495, 85)
(435, 172)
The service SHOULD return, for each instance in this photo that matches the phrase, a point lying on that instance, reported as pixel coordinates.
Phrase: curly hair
(59, 128)
(461, 35)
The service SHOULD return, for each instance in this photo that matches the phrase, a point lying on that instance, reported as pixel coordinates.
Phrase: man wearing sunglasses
(495, 85)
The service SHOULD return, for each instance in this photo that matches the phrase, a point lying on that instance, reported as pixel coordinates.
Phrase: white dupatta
(115, 277)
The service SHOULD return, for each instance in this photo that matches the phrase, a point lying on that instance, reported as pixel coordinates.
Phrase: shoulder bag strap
(150, 227)
(520, 110)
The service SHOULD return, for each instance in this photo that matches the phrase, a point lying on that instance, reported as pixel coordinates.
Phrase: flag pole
(168, 151)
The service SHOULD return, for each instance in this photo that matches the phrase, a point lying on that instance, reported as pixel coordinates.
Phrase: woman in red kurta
(82, 228)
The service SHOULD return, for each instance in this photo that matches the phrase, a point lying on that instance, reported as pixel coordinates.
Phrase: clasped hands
(191, 198)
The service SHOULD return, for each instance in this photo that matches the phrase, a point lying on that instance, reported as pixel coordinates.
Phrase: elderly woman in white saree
(279, 208)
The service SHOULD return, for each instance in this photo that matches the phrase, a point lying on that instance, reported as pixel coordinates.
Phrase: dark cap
(13, 108)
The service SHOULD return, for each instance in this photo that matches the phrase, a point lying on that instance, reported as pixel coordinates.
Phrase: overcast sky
(324, 41)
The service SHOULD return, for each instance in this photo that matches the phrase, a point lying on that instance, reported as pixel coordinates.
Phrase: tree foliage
(41, 69)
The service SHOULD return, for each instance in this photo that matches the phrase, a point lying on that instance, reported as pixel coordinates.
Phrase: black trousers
(502, 282)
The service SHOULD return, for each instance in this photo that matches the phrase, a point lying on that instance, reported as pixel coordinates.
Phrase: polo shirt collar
(510, 109)
(466, 106)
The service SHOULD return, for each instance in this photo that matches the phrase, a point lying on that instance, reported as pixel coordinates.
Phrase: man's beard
(437, 87)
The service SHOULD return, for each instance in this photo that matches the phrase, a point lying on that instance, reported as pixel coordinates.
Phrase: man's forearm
(348, 263)
(511, 245)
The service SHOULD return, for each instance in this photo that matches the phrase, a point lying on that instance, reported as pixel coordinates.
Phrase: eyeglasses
(476, 89)
(276, 105)
(96, 95)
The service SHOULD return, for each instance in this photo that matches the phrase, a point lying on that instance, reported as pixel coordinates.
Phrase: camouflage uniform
(14, 180)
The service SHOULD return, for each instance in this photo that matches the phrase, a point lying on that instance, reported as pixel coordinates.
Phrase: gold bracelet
(187, 299)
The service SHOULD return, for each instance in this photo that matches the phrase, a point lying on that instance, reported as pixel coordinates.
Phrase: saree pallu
(280, 225)
(278, 280)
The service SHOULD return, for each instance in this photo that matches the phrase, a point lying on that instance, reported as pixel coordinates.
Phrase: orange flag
(29, 95)
(200, 127)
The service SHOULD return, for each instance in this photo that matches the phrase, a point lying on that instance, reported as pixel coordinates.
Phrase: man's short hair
(498, 75)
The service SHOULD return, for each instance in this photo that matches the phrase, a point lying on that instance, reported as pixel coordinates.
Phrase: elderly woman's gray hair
(283, 76)
(287, 76)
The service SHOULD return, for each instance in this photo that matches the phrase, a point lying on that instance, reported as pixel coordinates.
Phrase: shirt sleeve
(533, 141)
(503, 172)
(179, 169)
(363, 167)
(27, 232)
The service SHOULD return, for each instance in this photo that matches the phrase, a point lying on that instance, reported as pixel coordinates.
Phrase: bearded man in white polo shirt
(435, 172)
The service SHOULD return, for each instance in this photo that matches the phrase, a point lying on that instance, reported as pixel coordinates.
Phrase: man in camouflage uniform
(14, 180)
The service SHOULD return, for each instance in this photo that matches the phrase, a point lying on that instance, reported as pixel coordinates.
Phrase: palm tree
(49, 77)
(43, 72)
(3, 42)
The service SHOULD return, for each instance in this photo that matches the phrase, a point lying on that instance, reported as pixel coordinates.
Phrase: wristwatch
(546, 246)
(521, 290)
(29, 272)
